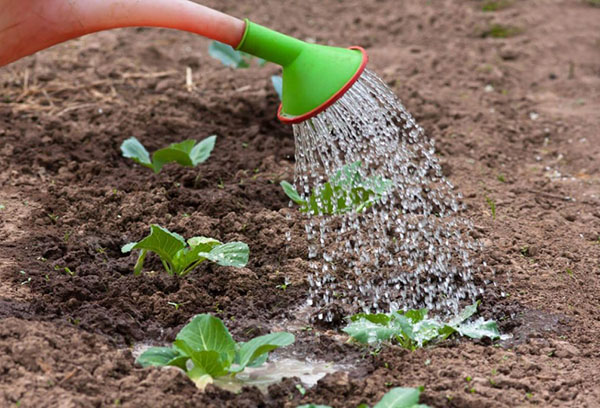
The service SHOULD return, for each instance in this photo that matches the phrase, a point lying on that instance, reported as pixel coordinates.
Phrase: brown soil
(515, 120)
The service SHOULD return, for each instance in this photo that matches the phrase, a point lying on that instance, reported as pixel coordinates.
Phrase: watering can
(314, 76)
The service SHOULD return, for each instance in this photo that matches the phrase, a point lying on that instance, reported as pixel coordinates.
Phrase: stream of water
(411, 248)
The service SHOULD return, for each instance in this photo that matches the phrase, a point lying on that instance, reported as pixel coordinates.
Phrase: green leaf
(202, 150)
(203, 244)
(162, 242)
(479, 329)
(208, 362)
(227, 55)
(128, 247)
(277, 82)
(230, 254)
(258, 361)
(208, 333)
(201, 380)
(133, 149)
(261, 345)
(157, 356)
(426, 331)
(191, 257)
(367, 332)
(379, 318)
(399, 398)
(416, 315)
(465, 314)
(292, 193)
(446, 332)
(176, 152)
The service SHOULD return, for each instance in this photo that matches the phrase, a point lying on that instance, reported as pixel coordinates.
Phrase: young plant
(413, 329)
(187, 153)
(396, 398)
(180, 257)
(492, 204)
(346, 191)
(205, 350)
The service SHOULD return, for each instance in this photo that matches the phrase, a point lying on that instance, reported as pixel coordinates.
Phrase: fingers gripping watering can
(314, 76)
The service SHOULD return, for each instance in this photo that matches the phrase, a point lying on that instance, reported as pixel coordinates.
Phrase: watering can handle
(28, 26)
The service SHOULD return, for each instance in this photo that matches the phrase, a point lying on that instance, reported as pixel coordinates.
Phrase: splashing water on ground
(411, 248)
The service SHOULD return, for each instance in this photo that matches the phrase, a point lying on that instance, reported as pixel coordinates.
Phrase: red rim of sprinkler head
(330, 101)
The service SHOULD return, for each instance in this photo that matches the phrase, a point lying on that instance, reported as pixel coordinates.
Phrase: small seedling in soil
(492, 204)
(412, 329)
(500, 31)
(179, 257)
(346, 191)
(495, 5)
(26, 281)
(396, 398)
(205, 350)
(187, 153)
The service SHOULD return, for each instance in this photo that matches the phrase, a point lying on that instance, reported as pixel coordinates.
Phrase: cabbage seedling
(413, 329)
(205, 350)
(346, 191)
(187, 153)
(398, 397)
(179, 256)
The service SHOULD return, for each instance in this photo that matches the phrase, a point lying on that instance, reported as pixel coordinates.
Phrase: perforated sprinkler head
(314, 76)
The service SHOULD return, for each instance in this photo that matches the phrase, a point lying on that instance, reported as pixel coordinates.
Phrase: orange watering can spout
(27, 26)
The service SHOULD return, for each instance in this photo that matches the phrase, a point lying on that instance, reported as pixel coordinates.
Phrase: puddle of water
(271, 372)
